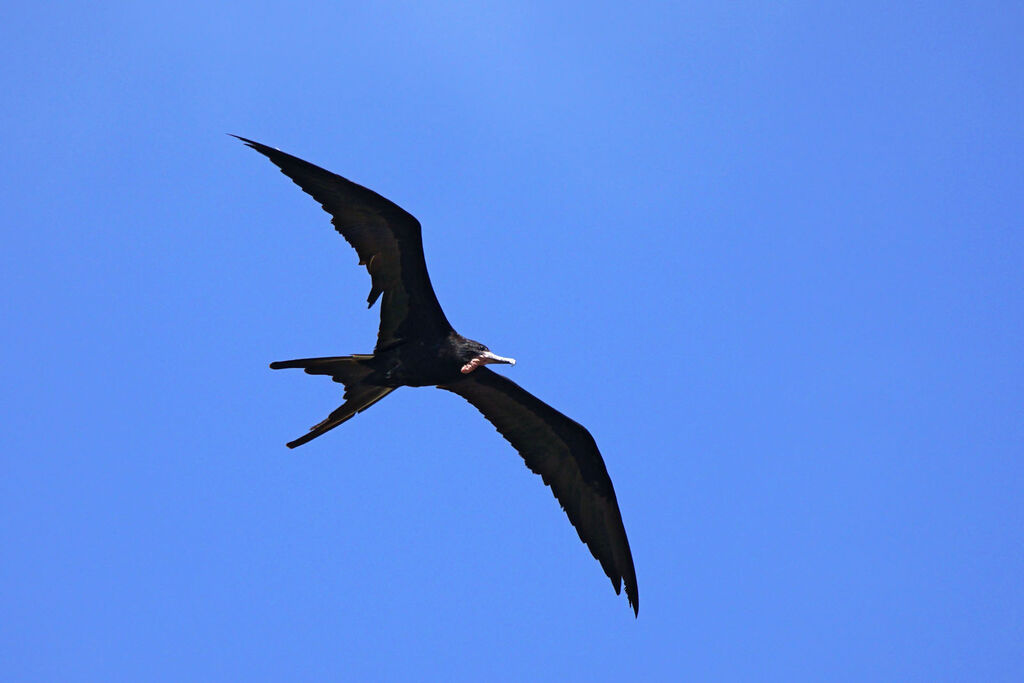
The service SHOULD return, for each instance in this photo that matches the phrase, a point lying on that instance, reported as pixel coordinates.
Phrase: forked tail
(353, 372)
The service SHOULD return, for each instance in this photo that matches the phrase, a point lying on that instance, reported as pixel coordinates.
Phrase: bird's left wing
(565, 455)
(387, 239)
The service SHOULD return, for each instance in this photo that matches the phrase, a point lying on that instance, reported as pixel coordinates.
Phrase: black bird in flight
(417, 346)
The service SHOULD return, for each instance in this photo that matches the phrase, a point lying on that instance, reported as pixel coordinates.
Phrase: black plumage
(417, 346)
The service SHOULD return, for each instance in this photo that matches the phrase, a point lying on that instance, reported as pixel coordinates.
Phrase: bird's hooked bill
(485, 358)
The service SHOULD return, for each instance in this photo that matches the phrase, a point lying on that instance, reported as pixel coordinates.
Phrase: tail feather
(352, 371)
(361, 399)
(355, 366)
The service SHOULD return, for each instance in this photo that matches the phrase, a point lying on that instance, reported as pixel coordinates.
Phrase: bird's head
(473, 354)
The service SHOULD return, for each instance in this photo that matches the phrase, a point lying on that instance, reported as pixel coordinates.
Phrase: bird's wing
(565, 455)
(387, 240)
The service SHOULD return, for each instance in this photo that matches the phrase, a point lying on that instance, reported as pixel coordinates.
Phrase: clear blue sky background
(771, 254)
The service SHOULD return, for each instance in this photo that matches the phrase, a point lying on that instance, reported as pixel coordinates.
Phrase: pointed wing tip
(259, 147)
(631, 595)
(629, 583)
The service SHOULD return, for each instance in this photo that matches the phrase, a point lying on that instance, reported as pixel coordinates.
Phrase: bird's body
(417, 346)
(423, 363)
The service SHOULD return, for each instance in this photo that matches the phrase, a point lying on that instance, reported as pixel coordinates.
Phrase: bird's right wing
(388, 241)
(565, 455)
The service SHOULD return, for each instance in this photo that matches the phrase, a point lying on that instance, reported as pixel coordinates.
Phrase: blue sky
(769, 253)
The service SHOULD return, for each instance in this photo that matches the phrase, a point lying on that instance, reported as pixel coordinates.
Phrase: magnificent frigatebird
(417, 346)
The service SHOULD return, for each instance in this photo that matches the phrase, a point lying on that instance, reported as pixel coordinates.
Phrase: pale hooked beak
(485, 358)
